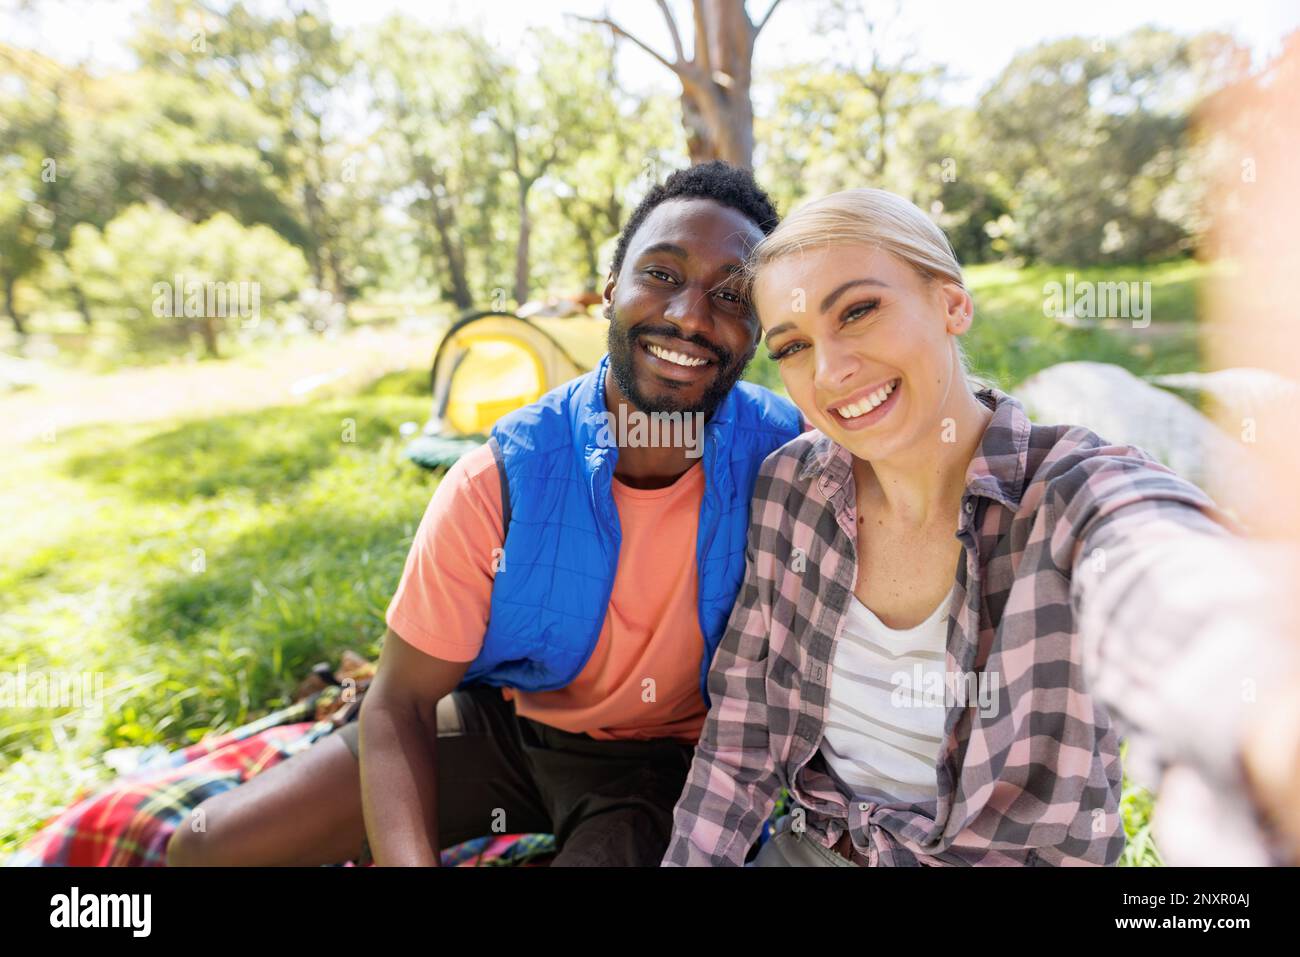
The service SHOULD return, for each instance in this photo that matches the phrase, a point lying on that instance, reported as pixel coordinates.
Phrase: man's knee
(631, 836)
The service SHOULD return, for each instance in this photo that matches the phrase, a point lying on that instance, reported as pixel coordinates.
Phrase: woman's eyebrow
(829, 301)
(842, 288)
(777, 330)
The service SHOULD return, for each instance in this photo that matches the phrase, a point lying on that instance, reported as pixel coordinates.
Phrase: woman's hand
(1270, 753)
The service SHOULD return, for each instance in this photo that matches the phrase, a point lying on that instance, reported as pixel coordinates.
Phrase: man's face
(680, 331)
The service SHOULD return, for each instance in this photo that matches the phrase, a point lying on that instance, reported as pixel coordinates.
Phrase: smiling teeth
(863, 406)
(675, 357)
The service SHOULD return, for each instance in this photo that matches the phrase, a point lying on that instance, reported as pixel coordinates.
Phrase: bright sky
(974, 39)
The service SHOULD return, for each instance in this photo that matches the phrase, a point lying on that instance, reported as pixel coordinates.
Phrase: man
(545, 661)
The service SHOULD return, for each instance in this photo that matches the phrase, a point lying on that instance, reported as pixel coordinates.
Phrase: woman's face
(863, 342)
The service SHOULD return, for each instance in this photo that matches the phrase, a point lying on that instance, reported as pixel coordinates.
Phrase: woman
(951, 614)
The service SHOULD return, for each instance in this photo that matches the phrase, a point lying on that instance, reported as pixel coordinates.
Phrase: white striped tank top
(883, 732)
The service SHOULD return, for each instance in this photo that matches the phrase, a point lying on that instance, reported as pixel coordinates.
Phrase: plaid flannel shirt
(1091, 582)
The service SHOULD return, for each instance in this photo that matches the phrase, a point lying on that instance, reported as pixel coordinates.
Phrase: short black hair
(721, 182)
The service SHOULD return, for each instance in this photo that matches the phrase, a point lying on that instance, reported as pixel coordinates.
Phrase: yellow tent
(491, 363)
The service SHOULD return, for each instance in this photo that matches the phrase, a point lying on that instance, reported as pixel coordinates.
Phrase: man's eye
(659, 274)
(728, 296)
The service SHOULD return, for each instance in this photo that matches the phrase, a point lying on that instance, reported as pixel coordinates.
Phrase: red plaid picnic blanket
(129, 822)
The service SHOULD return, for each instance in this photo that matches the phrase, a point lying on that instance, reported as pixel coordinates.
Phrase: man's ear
(611, 283)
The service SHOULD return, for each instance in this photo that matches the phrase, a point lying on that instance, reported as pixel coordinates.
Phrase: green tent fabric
(442, 451)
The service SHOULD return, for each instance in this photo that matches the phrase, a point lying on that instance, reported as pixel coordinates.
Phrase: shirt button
(863, 806)
(970, 507)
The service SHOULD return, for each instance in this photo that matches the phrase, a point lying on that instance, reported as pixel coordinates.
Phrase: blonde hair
(867, 217)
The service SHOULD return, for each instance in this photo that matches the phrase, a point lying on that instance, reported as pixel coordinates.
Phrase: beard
(624, 341)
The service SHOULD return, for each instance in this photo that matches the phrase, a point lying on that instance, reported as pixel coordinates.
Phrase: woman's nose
(835, 366)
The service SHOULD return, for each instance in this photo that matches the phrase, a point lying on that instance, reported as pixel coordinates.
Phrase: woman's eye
(786, 352)
(857, 312)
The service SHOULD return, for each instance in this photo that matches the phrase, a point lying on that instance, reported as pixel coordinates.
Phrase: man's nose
(689, 310)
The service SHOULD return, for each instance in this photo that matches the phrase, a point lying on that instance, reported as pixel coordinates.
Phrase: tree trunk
(882, 113)
(717, 112)
(722, 99)
(341, 293)
(521, 251)
(11, 308)
(83, 306)
(207, 326)
(594, 275)
(312, 204)
(444, 226)
(719, 125)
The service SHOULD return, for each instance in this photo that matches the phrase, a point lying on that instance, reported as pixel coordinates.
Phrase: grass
(201, 566)
(1011, 338)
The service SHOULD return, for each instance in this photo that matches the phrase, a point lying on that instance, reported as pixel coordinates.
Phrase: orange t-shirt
(643, 679)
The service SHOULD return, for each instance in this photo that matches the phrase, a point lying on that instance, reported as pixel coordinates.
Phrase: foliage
(405, 158)
(1092, 153)
(146, 257)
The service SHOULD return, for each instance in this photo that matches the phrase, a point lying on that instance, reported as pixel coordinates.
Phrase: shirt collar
(996, 471)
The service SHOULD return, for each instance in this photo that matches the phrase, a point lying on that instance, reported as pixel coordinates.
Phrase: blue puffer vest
(553, 583)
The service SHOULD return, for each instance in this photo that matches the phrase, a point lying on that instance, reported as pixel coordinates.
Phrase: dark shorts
(608, 803)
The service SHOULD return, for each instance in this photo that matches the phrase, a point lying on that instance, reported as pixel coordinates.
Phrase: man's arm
(436, 622)
(398, 744)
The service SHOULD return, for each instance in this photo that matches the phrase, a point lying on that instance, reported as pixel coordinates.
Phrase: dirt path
(277, 376)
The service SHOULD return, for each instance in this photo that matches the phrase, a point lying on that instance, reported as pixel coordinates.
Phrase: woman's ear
(959, 308)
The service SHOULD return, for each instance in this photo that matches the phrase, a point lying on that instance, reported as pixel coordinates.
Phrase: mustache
(668, 332)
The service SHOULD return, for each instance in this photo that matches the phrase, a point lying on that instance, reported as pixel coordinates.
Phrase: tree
(717, 111)
(541, 118)
(130, 270)
(1090, 137)
(32, 138)
(290, 68)
(441, 160)
(891, 79)
(625, 144)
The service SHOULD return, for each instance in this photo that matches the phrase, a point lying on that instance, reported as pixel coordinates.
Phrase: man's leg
(612, 801)
(307, 810)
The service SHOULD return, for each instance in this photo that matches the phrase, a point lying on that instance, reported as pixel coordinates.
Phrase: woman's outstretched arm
(1185, 637)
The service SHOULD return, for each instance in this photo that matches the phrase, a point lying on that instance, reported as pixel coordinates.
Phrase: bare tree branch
(619, 31)
(702, 58)
(767, 16)
(672, 29)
